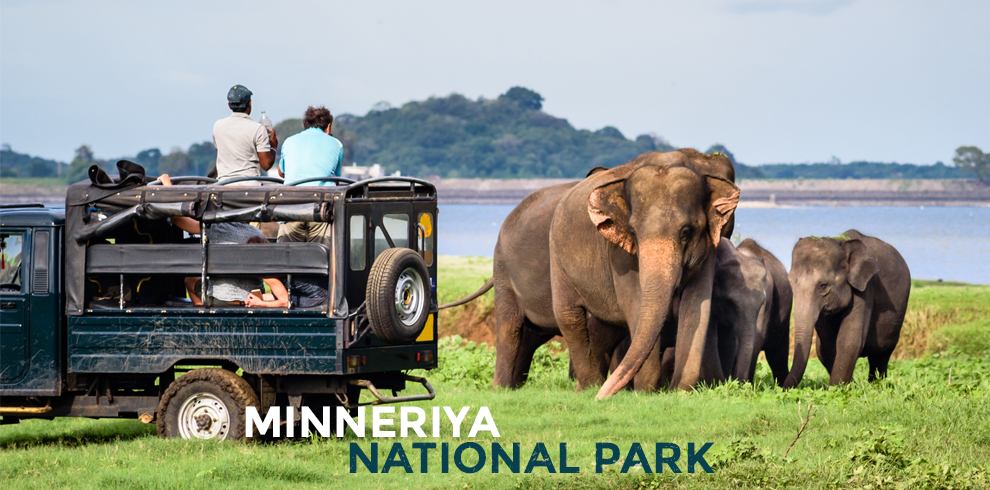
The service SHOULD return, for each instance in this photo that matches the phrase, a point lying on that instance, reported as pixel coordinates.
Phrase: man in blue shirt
(311, 153)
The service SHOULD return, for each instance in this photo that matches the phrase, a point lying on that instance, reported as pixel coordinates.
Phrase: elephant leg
(850, 340)
(825, 350)
(666, 367)
(648, 377)
(570, 370)
(777, 359)
(509, 320)
(531, 339)
(878, 365)
(619, 353)
(696, 352)
(572, 319)
(574, 327)
(727, 346)
(604, 340)
(711, 368)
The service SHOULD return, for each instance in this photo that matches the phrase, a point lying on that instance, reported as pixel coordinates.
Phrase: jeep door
(15, 300)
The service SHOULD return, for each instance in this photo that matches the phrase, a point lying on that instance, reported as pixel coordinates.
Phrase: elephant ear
(721, 204)
(609, 211)
(861, 263)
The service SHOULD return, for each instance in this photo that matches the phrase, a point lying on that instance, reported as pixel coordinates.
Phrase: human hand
(272, 138)
(253, 300)
(165, 179)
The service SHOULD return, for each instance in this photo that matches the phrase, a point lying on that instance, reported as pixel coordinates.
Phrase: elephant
(853, 291)
(751, 308)
(776, 343)
(524, 316)
(521, 274)
(654, 225)
(521, 278)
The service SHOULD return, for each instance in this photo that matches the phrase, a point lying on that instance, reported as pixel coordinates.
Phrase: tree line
(506, 137)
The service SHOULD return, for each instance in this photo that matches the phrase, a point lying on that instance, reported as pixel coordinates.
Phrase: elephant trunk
(749, 350)
(744, 358)
(660, 272)
(805, 319)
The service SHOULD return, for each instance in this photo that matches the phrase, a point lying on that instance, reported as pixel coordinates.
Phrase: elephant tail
(471, 297)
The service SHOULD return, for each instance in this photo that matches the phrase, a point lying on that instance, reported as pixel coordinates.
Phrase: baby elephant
(853, 290)
(751, 309)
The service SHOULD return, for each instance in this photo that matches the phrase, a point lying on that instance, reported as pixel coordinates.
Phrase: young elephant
(776, 343)
(853, 290)
(742, 299)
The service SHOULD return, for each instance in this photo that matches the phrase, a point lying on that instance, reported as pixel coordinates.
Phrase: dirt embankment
(474, 321)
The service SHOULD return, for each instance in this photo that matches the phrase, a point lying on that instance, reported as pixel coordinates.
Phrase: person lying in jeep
(244, 291)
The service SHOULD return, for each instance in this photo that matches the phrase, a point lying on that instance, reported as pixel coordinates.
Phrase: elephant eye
(685, 234)
(822, 287)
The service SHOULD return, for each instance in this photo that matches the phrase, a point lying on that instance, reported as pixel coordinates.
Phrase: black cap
(238, 97)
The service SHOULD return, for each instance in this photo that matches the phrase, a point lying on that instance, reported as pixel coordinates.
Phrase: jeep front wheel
(398, 296)
(206, 404)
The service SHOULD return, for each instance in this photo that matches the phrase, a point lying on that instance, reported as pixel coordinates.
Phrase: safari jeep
(96, 320)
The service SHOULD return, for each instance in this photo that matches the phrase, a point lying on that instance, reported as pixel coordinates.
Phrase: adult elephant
(521, 276)
(853, 290)
(653, 228)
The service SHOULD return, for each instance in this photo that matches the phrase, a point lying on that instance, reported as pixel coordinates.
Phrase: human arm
(267, 158)
(278, 290)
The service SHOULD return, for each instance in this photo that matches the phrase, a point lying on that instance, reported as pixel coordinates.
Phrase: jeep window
(425, 231)
(11, 275)
(358, 251)
(397, 228)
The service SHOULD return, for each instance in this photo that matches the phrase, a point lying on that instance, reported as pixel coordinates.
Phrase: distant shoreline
(761, 193)
(753, 193)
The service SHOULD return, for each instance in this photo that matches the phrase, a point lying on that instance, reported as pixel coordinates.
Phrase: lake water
(948, 243)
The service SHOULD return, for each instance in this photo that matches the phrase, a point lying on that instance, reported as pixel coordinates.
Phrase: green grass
(944, 314)
(461, 276)
(925, 426)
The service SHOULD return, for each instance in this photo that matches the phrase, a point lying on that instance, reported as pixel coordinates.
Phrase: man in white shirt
(244, 147)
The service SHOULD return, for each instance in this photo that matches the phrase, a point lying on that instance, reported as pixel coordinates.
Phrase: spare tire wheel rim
(409, 296)
(204, 416)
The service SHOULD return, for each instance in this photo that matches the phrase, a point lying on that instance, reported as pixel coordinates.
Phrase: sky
(773, 80)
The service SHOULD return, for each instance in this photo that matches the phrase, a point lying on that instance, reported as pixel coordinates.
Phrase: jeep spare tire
(398, 296)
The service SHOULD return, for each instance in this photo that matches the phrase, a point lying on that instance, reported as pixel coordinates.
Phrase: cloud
(813, 7)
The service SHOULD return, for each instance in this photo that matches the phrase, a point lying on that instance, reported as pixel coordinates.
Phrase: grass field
(926, 426)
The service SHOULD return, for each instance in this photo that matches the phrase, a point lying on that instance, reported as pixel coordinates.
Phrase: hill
(507, 137)
(455, 137)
